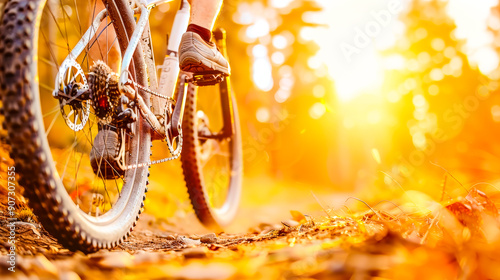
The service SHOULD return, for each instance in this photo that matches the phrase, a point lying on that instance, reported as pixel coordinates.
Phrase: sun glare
(357, 31)
(471, 18)
(349, 45)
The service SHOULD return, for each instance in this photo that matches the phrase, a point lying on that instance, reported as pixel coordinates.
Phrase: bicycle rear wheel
(212, 167)
(51, 139)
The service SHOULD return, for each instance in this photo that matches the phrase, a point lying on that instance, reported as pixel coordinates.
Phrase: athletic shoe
(200, 57)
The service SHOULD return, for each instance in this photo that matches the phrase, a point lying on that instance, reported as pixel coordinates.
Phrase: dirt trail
(273, 238)
(178, 246)
(270, 251)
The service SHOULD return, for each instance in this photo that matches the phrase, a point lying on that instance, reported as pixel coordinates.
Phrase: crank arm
(225, 90)
(176, 123)
(215, 136)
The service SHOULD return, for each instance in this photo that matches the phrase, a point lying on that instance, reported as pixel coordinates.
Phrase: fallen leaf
(195, 252)
(298, 217)
(209, 238)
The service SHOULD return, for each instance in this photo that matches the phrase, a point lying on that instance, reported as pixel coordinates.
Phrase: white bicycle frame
(170, 67)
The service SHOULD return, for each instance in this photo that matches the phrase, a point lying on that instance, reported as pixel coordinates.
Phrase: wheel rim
(219, 160)
(63, 23)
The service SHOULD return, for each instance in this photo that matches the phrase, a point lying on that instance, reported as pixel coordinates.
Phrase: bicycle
(52, 128)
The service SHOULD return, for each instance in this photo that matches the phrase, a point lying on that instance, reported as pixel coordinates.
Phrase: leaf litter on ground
(396, 239)
(457, 238)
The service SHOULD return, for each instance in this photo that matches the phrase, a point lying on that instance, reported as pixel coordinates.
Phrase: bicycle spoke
(50, 49)
(51, 124)
(55, 109)
(97, 40)
(46, 87)
(107, 49)
(57, 45)
(48, 62)
(67, 161)
(78, 17)
(56, 22)
(111, 46)
(64, 21)
(76, 173)
(87, 48)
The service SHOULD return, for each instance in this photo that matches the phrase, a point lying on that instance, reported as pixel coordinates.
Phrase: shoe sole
(198, 64)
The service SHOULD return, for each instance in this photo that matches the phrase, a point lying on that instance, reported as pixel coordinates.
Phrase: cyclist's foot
(200, 57)
(104, 155)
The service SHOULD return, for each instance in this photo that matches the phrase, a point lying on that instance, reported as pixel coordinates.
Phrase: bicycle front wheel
(52, 138)
(212, 166)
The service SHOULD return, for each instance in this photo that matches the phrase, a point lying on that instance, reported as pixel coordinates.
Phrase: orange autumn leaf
(297, 216)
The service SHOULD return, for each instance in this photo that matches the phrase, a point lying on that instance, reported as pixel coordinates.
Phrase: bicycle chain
(175, 155)
(150, 91)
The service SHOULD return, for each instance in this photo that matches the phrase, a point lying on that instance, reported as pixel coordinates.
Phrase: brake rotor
(70, 73)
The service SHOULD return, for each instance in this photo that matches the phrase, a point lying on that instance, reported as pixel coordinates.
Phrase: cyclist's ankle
(204, 33)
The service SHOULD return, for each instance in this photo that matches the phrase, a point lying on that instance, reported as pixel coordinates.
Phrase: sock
(205, 34)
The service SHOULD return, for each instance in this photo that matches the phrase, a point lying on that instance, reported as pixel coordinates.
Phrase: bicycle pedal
(207, 79)
(104, 156)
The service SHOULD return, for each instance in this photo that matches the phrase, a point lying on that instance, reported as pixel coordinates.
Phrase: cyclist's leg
(204, 12)
(196, 53)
